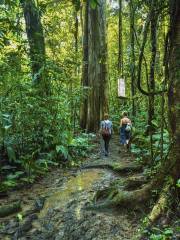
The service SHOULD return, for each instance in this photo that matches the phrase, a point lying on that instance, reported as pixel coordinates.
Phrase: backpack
(128, 127)
(105, 131)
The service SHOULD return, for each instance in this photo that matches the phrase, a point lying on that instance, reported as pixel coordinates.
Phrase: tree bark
(120, 44)
(94, 75)
(174, 87)
(36, 41)
(97, 71)
(84, 79)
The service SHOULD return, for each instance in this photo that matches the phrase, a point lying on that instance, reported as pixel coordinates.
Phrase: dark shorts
(124, 135)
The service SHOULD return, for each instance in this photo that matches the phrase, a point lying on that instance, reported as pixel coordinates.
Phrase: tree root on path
(161, 206)
(116, 197)
(121, 198)
(134, 182)
(118, 168)
(159, 209)
(127, 168)
(119, 186)
(10, 209)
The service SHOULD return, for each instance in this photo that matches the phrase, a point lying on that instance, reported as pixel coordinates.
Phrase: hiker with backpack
(125, 130)
(106, 132)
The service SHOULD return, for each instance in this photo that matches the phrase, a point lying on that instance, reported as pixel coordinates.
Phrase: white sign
(121, 88)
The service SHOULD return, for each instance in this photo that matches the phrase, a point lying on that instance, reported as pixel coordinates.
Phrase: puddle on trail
(82, 182)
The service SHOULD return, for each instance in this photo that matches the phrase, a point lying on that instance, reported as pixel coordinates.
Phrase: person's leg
(128, 140)
(123, 138)
(107, 144)
(106, 147)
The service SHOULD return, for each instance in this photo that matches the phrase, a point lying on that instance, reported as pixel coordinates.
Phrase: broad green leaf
(63, 150)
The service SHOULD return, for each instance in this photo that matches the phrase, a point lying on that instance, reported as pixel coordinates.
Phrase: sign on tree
(121, 87)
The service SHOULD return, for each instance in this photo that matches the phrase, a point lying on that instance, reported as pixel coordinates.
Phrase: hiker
(125, 130)
(106, 132)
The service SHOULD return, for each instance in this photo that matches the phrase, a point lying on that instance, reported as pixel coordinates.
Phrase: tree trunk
(174, 87)
(76, 5)
(84, 80)
(132, 60)
(94, 73)
(120, 52)
(36, 41)
(97, 71)
(151, 84)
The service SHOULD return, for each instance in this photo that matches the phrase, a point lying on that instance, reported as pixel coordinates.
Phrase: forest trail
(56, 206)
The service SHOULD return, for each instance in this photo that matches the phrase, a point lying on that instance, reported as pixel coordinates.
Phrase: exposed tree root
(119, 168)
(115, 196)
(107, 193)
(161, 205)
(103, 165)
(10, 209)
(159, 208)
(134, 182)
(119, 198)
(127, 168)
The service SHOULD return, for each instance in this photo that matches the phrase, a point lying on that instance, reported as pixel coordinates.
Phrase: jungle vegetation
(60, 62)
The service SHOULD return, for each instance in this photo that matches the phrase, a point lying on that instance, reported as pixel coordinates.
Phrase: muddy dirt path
(55, 207)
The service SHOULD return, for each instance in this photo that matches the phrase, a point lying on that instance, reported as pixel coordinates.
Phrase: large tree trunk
(36, 41)
(84, 80)
(174, 86)
(95, 71)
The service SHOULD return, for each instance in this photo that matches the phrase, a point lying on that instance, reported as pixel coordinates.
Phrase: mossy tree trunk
(174, 87)
(36, 41)
(84, 79)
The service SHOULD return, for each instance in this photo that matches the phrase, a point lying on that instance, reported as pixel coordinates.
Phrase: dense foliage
(43, 87)
(37, 131)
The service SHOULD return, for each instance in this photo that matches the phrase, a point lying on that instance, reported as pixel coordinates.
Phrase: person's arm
(121, 122)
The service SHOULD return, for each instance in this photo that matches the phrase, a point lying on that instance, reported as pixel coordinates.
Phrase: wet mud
(55, 208)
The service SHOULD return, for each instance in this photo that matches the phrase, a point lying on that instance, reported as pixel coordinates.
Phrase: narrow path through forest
(57, 206)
